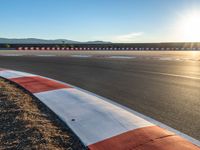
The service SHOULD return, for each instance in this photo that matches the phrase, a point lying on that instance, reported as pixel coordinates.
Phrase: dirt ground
(25, 123)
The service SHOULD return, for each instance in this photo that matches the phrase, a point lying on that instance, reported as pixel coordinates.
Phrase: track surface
(168, 91)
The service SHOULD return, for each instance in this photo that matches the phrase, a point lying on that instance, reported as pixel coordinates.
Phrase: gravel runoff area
(25, 123)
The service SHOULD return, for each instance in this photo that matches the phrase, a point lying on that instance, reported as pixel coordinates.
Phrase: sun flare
(190, 27)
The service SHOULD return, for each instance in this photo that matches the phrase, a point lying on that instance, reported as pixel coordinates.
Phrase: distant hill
(43, 41)
(97, 42)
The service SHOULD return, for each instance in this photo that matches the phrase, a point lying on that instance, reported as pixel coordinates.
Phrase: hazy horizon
(75, 41)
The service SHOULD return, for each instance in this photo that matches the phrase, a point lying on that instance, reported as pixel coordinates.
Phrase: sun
(189, 27)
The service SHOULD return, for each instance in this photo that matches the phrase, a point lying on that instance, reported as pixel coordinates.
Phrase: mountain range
(44, 41)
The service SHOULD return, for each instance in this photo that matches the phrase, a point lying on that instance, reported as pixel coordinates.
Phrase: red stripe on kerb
(147, 138)
(38, 84)
(168, 143)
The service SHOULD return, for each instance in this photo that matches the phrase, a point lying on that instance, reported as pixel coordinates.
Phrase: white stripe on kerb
(95, 118)
(14, 74)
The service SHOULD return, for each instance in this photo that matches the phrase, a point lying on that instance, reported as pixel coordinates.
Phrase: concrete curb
(99, 123)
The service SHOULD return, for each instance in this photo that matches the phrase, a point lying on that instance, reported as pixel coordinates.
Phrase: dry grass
(25, 123)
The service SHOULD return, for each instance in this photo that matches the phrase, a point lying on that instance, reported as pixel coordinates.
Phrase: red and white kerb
(100, 124)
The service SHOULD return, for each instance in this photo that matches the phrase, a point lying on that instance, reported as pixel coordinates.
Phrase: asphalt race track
(168, 91)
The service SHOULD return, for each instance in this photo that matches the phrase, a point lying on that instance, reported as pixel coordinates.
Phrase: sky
(106, 20)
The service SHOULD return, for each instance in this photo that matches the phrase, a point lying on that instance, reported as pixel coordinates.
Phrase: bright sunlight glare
(189, 27)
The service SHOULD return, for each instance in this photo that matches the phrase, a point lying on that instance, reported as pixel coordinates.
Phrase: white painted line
(122, 57)
(81, 56)
(45, 55)
(172, 75)
(166, 58)
(11, 54)
(95, 118)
